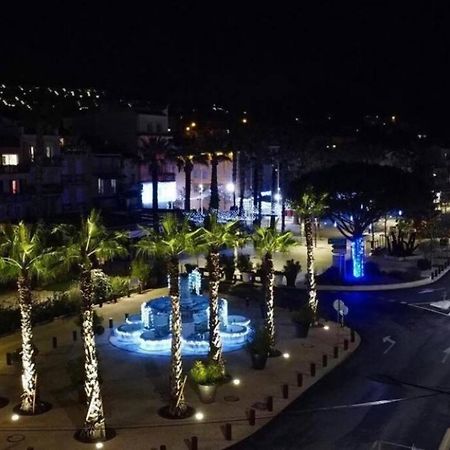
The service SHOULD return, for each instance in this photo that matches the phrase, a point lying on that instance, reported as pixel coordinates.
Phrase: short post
(335, 352)
(54, 342)
(299, 380)
(352, 336)
(74, 335)
(345, 344)
(110, 322)
(9, 359)
(252, 417)
(324, 360)
(194, 443)
(126, 316)
(228, 432)
(313, 369)
(100, 305)
(162, 447)
(270, 403)
(285, 391)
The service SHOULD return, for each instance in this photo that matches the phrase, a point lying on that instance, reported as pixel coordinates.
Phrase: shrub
(101, 286)
(227, 264)
(244, 264)
(291, 270)
(140, 269)
(206, 373)
(119, 286)
(423, 264)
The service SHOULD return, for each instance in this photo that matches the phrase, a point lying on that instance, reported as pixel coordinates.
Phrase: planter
(279, 279)
(207, 392)
(258, 361)
(301, 329)
(247, 277)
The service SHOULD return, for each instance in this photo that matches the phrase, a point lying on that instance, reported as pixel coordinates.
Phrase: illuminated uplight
(326, 327)
(199, 416)
(230, 187)
(358, 257)
(193, 125)
(99, 445)
(236, 381)
(244, 120)
(188, 128)
(15, 417)
(286, 355)
(277, 197)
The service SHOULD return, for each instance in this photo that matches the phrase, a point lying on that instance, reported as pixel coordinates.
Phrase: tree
(87, 247)
(267, 241)
(24, 254)
(174, 239)
(308, 205)
(360, 194)
(215, 236)
(215, 158)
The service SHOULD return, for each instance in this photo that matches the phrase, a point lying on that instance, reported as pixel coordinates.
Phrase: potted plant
(259, 348)
(206, 375)
(278, 278)
(245, 266)
(291, 270)
(302, 319)
(228, 266)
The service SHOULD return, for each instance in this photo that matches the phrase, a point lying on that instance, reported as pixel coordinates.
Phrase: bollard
(336, 352)
(228, 432)
(126, 316)
(74, 335)
(432, 275)
(162, 447)
(313, 369)
(352, 336)
(345, 344)
(324, 360)
(110, 322)
(100, 305)
(194, 443)
(285, 391)
(270, 404)
(54, 342)
(9, 359)
(252, 417)
(299, 379)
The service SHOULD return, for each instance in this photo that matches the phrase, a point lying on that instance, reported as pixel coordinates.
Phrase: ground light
(15, 417)
(326, 327)
(199, 416)
(99, 445)
(236, 381)
(286, 355)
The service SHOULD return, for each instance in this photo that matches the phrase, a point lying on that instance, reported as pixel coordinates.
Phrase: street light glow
(236, 381)
(286, 355)
(230, 187)
(15, 417)
(199, 416)
(99, 445)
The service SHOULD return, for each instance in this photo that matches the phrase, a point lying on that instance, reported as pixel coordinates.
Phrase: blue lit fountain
(149, 331)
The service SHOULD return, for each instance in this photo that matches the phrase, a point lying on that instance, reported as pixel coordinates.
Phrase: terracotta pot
(259, 361)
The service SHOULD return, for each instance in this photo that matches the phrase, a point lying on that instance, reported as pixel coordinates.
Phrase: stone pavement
(135, 386)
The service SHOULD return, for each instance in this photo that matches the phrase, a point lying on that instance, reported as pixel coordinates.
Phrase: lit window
(10, 160)
(114, 186)
(14, 186)
(100, 186)
(48, 152)
(32, 152)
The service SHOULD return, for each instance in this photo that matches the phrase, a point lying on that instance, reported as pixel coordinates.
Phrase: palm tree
(24, 255)
(214, 237)
(215, 158)
(87, 247)
(267, 241)
(174, 239)
(308, 206)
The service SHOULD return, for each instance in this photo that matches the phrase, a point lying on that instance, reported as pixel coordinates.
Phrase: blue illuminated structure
(149, 331)
(358, 257)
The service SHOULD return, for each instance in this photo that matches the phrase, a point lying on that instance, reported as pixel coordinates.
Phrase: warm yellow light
(286, 355)
(199, 416)
(244, 120)
(326, 327)
(188, 128)
(15, 417)
(99, 445)
(193, 124)
(236, 381)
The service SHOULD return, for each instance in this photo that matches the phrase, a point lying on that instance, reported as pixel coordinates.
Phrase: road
(394, 388)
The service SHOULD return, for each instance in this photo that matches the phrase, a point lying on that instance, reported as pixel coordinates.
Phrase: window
(48, 152)
(100, 186)
(32, 153)
(10, 160)
(113, 186)
(14, 186)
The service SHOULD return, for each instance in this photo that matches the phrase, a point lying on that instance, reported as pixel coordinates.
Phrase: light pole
(200, 188)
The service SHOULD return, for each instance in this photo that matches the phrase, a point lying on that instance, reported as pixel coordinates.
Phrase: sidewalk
(135, 385)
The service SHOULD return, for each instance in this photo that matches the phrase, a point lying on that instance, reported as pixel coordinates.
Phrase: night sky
(343, 57)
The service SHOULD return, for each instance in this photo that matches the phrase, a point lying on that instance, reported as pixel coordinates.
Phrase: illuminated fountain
(149, 331)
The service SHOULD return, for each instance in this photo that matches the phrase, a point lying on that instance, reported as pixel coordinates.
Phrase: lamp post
(200, 188)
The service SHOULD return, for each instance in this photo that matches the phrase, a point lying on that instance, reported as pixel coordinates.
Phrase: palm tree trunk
(310, 276)
(177, 405)
(241, 187)
(272, 197)
(94, 425)
(214, 201)
(155, 179)
(234, 176)
(215, 341)
(29, 375)
(187, 185)
(268, 294)
(256, 193)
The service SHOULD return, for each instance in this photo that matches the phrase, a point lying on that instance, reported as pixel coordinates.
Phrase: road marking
(419, 306)
(390, 341)
(446, 355)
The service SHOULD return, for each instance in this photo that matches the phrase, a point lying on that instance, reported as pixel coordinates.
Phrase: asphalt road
(397, 393)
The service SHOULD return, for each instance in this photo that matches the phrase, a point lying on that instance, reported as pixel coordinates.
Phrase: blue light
(358, 257)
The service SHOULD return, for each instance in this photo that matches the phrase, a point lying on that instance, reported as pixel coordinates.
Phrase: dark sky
(339, 56)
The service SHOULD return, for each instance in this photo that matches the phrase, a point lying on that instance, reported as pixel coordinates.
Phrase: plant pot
(247, 277)
(259, 361)
(279, 279)
(207, 392)
(290, 281)
(301, 329)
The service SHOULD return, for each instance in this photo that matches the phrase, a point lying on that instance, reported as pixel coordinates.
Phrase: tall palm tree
(87, 247)
(268, 241)
(216, 236)
(24, 255)
(215, 159)
(174, 239)
(308, 206)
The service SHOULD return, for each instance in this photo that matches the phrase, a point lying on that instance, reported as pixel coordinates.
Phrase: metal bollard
(285, 391)
(252, 417)
(126, 316)
(345, 344)
(54, 342)
(335, 352)
(270, 404)
(9, 359)
(228, 432)
(194, 443)
(74, 335)
(324, 360)
(313, 369)
(110, 322)
(162, 447)
(299, 379)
